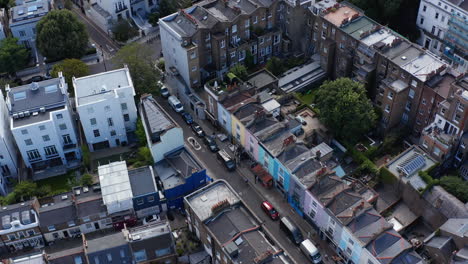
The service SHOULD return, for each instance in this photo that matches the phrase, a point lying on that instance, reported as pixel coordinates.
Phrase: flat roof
(301, 76)
(359, 26)
(422, 66)
(176, 167)
(106, 242)
(155, 118)
(262, 78)
(115, 185)
(29, 10)
(142, 181)
(149, 231)
(382, 35)
(343, 12)
(90, 88)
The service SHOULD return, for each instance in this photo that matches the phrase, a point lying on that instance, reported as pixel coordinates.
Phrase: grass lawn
(308, 97)
(58, 184)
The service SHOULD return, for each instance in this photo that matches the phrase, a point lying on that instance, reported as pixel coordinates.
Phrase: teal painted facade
(345, 243)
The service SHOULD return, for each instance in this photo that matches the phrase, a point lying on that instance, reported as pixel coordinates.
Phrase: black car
(187, 118)
(198, 130)
(37, 78)
(211, 143)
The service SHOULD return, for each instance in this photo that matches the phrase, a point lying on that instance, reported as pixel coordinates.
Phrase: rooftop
(88, 201)
(410, 162)
(115, 186)
(368, 225)
(358, 27)
(301, 76)
(274, 137)
(176, 168)
(150, 230)
(389, 245)
(56, 210)
(262, 78)
(29, 10)
(106, 242)
(156, 119)
(457, 226)
(22, 212)
(142, 181)
(341, 15)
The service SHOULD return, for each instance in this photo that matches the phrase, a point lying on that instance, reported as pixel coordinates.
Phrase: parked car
(291, 230)
(270, 210)
(226, 160)
(36, 78)
(301, 120)
(151, 219)
(197, 129)
(211, 143)
(175, 104)
(187, 118)
(165, 92)
(311, 251)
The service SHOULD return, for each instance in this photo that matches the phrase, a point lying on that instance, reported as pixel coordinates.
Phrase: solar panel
(50, 88)
(413, 164)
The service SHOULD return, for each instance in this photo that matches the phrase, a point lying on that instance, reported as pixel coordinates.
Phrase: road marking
(194, 143)
(96, 28)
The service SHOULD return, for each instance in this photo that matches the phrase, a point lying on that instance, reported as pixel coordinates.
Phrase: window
(33, 154)
(193, 55)
(22, 33)
(163, 252)
(24, 132)
(71, 223)
(51, 228)
(425, 144)
(223, 43)
(107, 108)
(390, 95)
(41, 127)
(86, 219)
(276, 39)
(460, 107)
(46, 138)
(408, 105)
(436, 15)
(436, 151)
(442, 19)
(411, 93)
(122, 253)
(66, 139)
(414, 83)
(150, 199)
(110, 122)
(194, 68)
(90, 110)
(265, 162)
(140, 255)
(433, 29)
(78, 260)
(50, 150)
(424, 8)
(28, 142)
(324, 34)
(261, 40)
(421, 21)
(31, 232)
(457, 118)
(11, 237)
(123, 106)
(233, 54)
(62, 126)
(387, 108)
(247, 23)
(59, 116)
(424, 101)
(109, 257)
(93, 121)
(113, 133)
(234, 28)
(255, 19)
(96, 260)
(96, 133)
(140, 201)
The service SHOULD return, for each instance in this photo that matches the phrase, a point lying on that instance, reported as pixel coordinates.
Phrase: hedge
(385, 176)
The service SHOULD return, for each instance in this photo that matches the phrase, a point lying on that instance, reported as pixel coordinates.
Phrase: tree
(249, 60)
(13, 56)
(7, 4)
(70, 68)
(124, 31)
(86, 156)
(86, 179)
(240, 71)
(275, 66)
(25, 190)
(165, 8)
(61, 35)
(139, 59)
(345, 108)
(456, 186)
(140, 133)
(68, 4)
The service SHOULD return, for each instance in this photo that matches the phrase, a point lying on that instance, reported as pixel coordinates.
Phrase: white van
(175, 104)
(311, 251)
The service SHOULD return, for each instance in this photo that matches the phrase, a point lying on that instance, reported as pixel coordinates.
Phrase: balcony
(458, 22)
(120, 8)
(69, 146)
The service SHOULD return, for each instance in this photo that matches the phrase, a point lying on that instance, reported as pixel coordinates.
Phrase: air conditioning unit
(42, 109)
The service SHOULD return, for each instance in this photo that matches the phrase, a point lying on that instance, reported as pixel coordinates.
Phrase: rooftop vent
(136, 237)
(85, 189)
(231, 249)
(403, 57)
(64, 197)
(34, 86)
(77, 192)
(42, 109)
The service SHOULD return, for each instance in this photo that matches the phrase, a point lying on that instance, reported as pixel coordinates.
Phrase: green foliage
(124, 31)
(456, 186)
(366, 165)
(86, 179)
(240, 71)
(386, 177)
(25, 190)
(153, 18)
(345, 108)
(70, 68)
(142, 68)
(140, 133)
(68, 4)
(4, 82)
(257, 30)
(249, 60)
(86, 156)
(61, 35)
(428, 180)
(275, 66)
(13, 56)
(161, 64)
(143, 157)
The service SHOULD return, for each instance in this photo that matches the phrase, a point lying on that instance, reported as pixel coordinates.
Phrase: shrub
(86, 156)
(456, 186)
(86, 179)
(386, 177)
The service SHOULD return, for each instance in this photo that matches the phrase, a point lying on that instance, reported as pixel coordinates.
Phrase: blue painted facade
(224, 118)
(146, 201)
(345, 242)
(175, 196)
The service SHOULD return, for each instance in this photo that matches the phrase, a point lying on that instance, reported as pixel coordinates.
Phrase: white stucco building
(42, 123)
(163, 135)
(2, 23)
(444, 26)
(106, 106)
(24, 18)
(8, 151)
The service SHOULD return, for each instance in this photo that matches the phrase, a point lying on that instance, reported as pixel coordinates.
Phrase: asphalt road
(249, 194)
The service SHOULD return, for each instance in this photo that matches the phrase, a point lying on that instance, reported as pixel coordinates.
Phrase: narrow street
(252, 194)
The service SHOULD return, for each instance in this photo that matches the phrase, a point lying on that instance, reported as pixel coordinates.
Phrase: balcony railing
(69, 146)
(458, 22)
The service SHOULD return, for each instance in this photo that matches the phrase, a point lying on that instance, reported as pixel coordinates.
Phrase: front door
(96, 226)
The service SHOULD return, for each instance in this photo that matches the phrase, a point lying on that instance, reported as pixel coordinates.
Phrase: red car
(270, 210)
